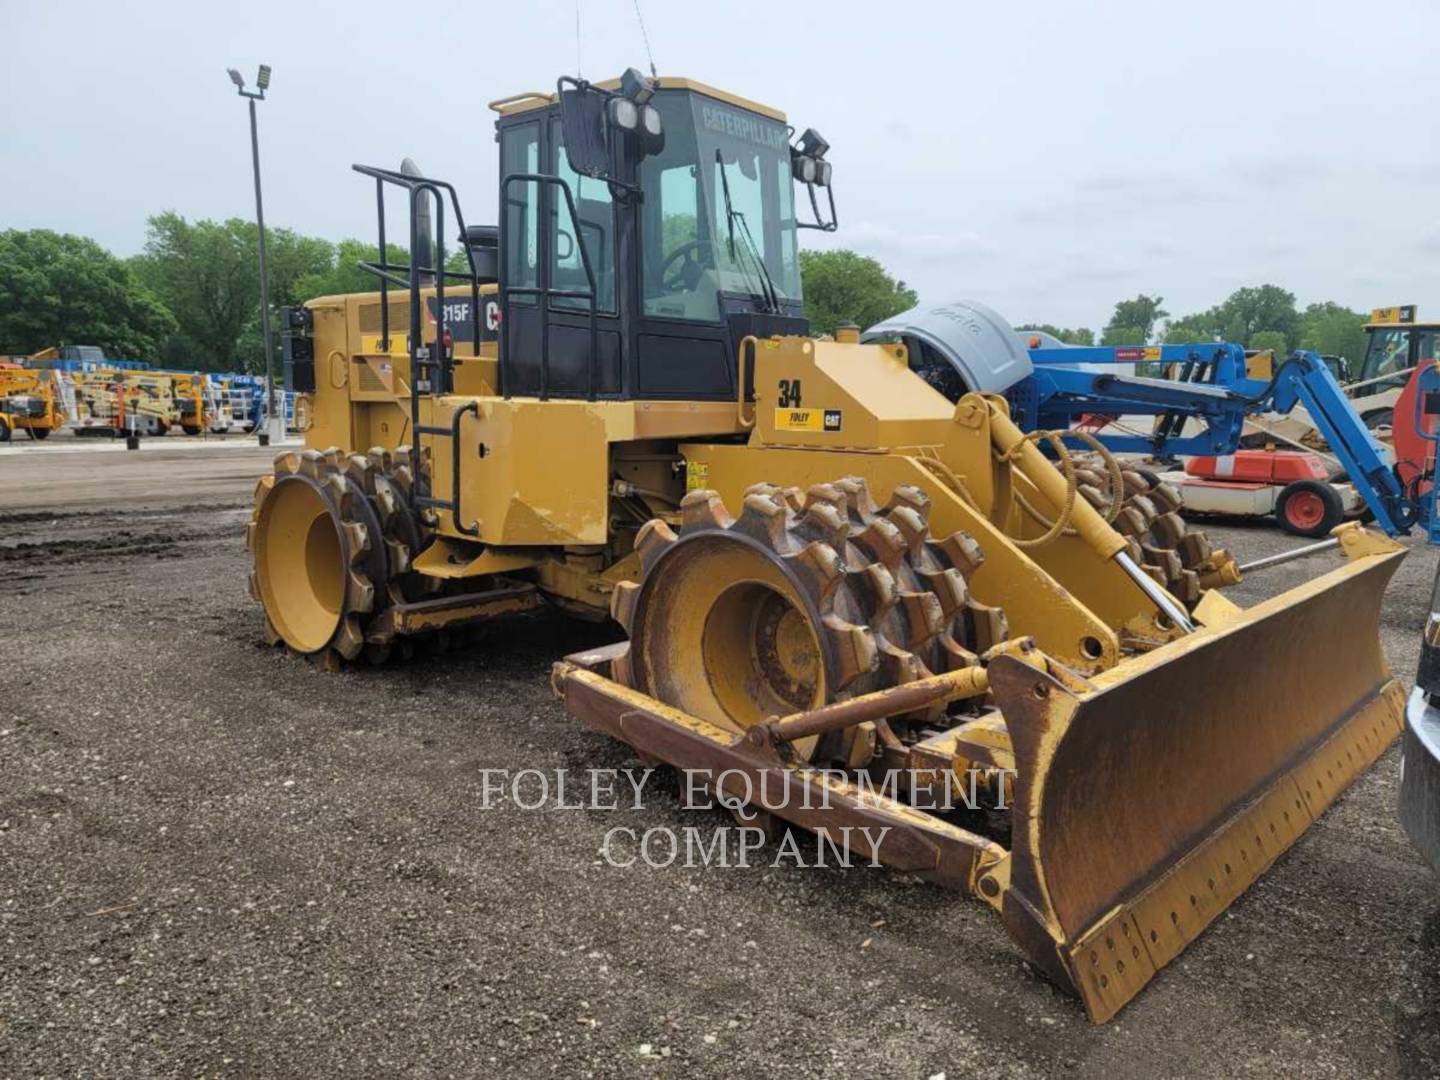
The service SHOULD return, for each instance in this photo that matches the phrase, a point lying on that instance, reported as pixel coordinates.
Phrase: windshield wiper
(768, 293)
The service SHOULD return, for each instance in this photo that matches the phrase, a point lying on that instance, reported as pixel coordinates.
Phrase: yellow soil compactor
(842, 592)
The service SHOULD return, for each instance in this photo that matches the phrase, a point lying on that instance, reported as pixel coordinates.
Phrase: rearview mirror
(582, 121)
(809, 167)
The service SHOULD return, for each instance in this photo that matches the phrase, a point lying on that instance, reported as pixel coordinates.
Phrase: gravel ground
(217, 860)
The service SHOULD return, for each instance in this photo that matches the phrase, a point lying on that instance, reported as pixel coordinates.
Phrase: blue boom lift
(966, 346)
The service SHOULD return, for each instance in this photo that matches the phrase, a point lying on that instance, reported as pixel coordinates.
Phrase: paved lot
(216, 860)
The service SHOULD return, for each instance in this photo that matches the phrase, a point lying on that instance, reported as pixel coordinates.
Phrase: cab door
(555, 222)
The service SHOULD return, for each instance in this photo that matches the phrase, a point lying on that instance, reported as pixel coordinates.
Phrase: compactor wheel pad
(1175, 555)
(801, 598)
(331, 537)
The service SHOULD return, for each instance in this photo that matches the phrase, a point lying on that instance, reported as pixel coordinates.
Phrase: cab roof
(525, 102)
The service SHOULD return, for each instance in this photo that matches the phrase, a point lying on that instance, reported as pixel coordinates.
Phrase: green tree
(841, 286)
(1082, 335)
(1333, 329)
(1133, 322)
(1270, 339)
(207, 273)
(1124, 334)
(60, 289)
(344, 274)
(1192, 329)
(1248, 311)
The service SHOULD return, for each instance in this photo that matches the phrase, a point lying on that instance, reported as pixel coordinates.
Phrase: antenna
(579, 70)
(646, 38)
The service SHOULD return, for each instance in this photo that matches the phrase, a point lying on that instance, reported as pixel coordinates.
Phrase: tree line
(191, 298)
(1257, 317)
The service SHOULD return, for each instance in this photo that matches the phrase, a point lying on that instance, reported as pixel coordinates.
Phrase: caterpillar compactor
(847, 600)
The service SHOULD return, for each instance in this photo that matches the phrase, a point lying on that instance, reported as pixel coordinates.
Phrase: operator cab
(1396, 344)
(647, 226)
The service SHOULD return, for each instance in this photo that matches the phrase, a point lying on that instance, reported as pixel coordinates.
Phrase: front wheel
(1309, 508)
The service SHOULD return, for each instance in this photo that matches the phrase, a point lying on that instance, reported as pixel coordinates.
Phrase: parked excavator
(827, 572)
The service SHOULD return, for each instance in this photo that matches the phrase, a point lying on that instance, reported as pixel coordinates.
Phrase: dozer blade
(1145, 804)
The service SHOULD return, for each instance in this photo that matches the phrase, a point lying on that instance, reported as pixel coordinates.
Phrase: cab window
(520, 153)
(596, 229)
(1425, 342)
(678, 272)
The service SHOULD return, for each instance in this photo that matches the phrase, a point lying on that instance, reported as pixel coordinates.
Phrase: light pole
(274, 426)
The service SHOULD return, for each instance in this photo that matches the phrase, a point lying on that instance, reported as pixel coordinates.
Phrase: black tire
(4, 429)
(1309, 508)
(1378, 418)
(40, 432)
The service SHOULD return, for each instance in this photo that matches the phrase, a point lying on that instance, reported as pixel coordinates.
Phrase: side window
(785, 229)
(520, 153)
(596, 229)
(1426, 340)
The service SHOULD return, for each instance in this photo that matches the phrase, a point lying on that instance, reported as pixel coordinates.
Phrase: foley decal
(807, 419)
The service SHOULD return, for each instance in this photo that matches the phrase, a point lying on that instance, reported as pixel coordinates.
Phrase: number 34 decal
(789, 394)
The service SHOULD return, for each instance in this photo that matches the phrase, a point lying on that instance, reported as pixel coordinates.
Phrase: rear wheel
(1309, 508)
(332, 537)
(40, 432)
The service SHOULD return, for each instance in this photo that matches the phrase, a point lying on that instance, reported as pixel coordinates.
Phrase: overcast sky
(1046, 158)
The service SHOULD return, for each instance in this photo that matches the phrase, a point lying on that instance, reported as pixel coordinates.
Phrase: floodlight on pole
(275, 412)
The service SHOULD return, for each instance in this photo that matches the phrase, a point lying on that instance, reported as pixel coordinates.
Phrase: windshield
(697, 242)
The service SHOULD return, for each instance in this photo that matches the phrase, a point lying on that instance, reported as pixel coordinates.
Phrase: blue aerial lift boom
(966, 346)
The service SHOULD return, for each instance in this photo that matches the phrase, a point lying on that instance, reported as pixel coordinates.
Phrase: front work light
(624, 113)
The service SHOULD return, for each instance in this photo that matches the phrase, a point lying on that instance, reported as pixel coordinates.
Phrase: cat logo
(832, 419)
